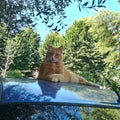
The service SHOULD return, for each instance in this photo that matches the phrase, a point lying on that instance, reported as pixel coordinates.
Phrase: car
(30, 99)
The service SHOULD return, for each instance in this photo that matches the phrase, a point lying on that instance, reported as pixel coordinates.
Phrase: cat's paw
(54, 78)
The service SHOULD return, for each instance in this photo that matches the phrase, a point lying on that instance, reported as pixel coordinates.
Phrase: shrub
(14, 74)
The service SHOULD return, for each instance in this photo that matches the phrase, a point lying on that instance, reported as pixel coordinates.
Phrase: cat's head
(54, 55)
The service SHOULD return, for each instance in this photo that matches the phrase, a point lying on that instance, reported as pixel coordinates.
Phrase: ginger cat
(53, 69)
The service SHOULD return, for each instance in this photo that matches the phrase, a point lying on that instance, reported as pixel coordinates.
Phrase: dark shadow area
(39, 112)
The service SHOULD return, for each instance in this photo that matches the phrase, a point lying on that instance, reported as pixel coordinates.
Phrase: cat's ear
(49, 47)
(60, 48)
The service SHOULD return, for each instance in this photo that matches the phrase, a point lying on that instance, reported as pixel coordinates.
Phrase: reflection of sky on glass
(86, 94)
(64, 95)
(73, 13)
(98, 95)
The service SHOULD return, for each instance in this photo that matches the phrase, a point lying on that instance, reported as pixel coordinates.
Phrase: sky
(73, 14)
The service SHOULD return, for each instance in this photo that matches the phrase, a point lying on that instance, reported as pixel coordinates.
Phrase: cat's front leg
(56, 78)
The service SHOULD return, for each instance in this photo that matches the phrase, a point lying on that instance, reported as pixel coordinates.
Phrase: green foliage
(108, 44)
(8, 48)
(107, 36)
(14, 14)
(18, 51)
(105, 114)
(15, 74)
(100, 113)
(112, 77)
(18, 14)
(27, 56)
(3, 39)
(82, 57)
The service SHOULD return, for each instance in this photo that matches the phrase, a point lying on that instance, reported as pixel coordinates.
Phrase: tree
(112, 77)
(3, 38)
(14, 14)
(9, 54)
(105, 114)
(19, 51)
(107, 36)
(107, 39)
(17, 14)
(89, 113)
(27, 56)
(82, 57)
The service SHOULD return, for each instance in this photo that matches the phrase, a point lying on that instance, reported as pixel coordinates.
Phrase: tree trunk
(3, 74)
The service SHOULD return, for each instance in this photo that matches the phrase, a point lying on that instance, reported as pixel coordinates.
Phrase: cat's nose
(53, 57)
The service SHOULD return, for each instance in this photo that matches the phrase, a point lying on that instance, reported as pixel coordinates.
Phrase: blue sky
(73, 14)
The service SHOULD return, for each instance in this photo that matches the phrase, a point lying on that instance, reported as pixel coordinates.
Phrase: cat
(53, 69)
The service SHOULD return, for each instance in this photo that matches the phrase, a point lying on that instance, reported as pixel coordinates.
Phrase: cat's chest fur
(53, 68)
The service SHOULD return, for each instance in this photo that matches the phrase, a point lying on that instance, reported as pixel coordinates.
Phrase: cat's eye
(50, 53)
(57, 54)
